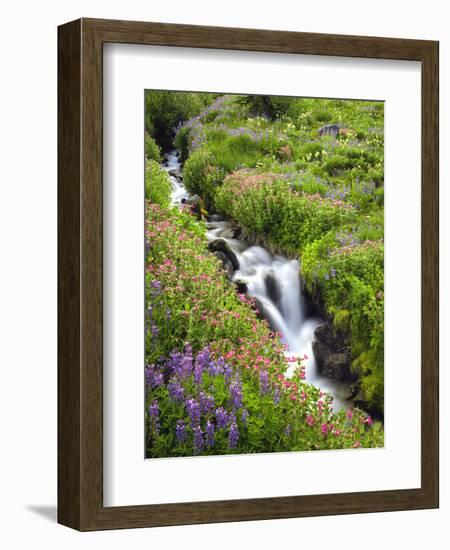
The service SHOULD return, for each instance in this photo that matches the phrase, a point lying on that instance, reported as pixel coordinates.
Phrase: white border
(128, 478)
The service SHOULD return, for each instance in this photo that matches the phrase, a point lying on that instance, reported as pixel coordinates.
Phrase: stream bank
(273, 281)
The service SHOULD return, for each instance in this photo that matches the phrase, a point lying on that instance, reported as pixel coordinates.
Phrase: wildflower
(152, 378)
(206, 402)
(288, 430)
(350, 414)
(198, 439)
(176, 391)
(276, 396)
(221, 417)
(210, 434)
(233, 436)
(324, 429)
(368, 420)
(263, 382)
(244, 416)
(309, 420)
(180, 431)
(193, 410)
(228, 372)
(153, 411)
(236, 394)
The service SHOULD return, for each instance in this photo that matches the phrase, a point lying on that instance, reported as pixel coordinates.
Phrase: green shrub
(214, 372)
(164, 111)
(157, 184)
(152, 151)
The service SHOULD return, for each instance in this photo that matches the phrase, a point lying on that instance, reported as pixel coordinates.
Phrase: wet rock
(332, 353)
(227, 233)
(332, 365)
(215, 218)
(219, 245)
(241, 286)
(226, 264)
(324, 334)
(176, 173)
(354, 389)
(272, 287)
(329, 130)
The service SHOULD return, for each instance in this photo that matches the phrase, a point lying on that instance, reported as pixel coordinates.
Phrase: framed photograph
(248, 274)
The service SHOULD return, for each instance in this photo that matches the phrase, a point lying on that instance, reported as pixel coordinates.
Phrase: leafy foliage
(157, 183)
(215, 379)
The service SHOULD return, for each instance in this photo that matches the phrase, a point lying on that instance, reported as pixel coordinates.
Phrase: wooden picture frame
(80, 272)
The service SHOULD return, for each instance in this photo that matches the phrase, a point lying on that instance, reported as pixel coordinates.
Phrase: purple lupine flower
(221, 417)
(153, 378)
(198, 439)
(236, 394)
(202, 362)
(233, 436)
(206, 402)
(276, 396)
(326, 277)
(149, 371)
(156, 288)
(180, 431)
(176, 391)
(209, 433)
(193, 410)
(216, 367)
(153, 411)
(155, 330)
(288, 430)
(263, 382)
(333, 272)
(158, 379)
(181, 363)
(186, 362)
(228, 372)
(244, 416)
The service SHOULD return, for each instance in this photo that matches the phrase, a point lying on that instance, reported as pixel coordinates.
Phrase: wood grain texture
(80, 264)
(69, 244)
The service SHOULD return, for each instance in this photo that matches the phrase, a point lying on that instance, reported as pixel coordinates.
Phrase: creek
(273, 280)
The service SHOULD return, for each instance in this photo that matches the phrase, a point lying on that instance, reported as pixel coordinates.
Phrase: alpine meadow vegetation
(303, 178)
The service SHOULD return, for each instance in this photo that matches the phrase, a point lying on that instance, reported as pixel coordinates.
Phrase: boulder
(220, 245)
(324, 334)
(241, 286)
(336, 340)
(227, 232)
(332, 353)
(226, 264)
(329, 130)
(176, 173)
(335, 365)
(272, 287)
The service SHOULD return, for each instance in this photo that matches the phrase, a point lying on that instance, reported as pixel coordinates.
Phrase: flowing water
(274, 282)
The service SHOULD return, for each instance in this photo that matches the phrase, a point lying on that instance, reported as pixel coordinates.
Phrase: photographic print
(264, 274)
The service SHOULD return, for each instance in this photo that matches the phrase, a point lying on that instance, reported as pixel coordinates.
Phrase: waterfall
(274, 282)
